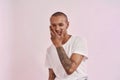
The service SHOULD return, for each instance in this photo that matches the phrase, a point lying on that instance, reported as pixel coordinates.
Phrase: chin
(59, 34)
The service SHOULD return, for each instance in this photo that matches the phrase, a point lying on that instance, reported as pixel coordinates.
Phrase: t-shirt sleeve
(80, 47)
(48, 60)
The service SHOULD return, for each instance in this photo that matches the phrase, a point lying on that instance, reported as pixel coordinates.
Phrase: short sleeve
(80, 47)
(47, 60)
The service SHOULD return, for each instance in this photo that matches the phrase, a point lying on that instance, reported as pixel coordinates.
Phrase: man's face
(59, 24)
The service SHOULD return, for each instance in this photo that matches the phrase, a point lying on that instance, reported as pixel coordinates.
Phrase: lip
(59, 33)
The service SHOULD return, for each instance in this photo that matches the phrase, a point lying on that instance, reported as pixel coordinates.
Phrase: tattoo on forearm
(66, 62)
(51, 76)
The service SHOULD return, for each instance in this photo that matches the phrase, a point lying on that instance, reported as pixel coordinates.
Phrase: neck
(66, 38)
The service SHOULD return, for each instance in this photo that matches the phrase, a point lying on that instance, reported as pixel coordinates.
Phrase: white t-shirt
(76, 45)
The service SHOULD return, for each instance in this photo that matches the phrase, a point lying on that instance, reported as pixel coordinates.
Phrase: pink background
(24, 36)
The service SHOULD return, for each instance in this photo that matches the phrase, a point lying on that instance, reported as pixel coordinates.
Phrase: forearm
(66, 62)
(51, 75)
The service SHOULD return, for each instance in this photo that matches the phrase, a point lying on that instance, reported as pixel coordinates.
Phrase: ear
(67, 25)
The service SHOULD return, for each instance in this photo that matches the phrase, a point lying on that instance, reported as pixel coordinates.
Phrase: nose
(57, 28)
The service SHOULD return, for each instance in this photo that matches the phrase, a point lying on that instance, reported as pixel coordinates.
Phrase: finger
(50, 28)
(53, 30)
(51, 33)
(62, 33)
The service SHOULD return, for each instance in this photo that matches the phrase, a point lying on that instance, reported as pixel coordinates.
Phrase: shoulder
(78, 39)
(51, 47)
(48, 50)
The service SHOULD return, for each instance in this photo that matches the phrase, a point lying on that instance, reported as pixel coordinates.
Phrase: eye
(53, 25)
(61, 24)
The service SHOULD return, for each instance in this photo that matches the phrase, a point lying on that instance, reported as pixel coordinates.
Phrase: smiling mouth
(59, 33)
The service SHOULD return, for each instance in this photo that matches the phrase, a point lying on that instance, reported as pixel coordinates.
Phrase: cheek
(63, 29)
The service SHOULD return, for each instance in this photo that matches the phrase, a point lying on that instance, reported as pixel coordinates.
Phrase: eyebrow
(57, 24)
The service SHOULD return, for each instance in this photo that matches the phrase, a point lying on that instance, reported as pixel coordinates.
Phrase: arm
(69, 64)
(51, 75)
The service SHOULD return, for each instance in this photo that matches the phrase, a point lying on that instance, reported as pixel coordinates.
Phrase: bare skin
(51, 75)
(59, 36)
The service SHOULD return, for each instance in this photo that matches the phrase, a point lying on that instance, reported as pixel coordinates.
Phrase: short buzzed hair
(60, 14)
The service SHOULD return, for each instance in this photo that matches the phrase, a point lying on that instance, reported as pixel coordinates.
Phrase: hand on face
(55, 37)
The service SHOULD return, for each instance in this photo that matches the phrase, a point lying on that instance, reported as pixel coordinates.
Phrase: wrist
(60, 45)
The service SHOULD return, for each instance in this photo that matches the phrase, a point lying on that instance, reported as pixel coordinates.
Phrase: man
(66, 57)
